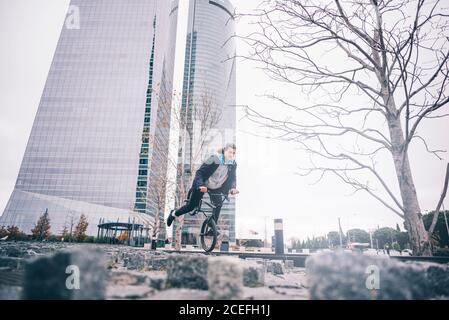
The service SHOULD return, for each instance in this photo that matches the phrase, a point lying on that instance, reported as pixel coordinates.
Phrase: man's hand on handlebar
(233, 191)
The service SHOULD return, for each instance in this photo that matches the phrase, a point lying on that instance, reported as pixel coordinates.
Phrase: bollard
(224, 246)
(278, 236)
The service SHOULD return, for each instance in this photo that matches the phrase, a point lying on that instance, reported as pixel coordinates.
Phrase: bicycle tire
(208, 224)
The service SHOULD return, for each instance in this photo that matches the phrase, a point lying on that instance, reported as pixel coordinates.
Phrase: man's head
(229, 151)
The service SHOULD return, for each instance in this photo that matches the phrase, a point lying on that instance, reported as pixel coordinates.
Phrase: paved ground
(38, 270)
(137, 273)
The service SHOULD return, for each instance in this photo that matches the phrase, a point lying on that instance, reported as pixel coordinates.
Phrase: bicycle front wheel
(208, 234)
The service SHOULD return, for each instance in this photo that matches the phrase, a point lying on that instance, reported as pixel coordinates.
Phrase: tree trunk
(178, 233)
(414, 224)
(182, 182)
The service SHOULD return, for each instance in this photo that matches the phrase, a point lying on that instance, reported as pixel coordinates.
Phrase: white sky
(269, 187)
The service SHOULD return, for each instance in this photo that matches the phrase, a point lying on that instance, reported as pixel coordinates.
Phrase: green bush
(100, 240)
(440, 235)
(3, 232)
(396, 246)
(21, 237)
(14, 233)
(53, 238)
(89, 239)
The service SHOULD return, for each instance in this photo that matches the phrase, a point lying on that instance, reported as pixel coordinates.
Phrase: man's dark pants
(194, 198)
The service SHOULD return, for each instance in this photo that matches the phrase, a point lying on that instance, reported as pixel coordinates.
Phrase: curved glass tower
(103, 109)
(208, 98)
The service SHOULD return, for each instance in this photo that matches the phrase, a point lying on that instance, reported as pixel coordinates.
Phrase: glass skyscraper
(208, 100)
(100, 136)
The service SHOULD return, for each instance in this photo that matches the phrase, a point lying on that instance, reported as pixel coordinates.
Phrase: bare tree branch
(440, 202)
(375, 50)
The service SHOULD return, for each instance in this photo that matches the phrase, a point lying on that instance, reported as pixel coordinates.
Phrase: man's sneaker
(170, 218)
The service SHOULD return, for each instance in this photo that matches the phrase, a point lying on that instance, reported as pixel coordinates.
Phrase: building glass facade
(209, 83)
(85, 153)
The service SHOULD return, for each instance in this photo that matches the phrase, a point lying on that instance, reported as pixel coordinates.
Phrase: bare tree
(41, 230)
(81, 228)
(159, 180)
(64, 232)
(195, 123)
(159, 185)
(69, 223)
(373, 72)
(196, 118)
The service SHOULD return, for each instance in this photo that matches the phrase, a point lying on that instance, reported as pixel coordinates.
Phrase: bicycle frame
(210, 205)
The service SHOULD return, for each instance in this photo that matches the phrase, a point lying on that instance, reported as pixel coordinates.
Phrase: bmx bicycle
(208, 231)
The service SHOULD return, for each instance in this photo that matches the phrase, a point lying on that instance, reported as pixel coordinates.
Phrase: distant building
(209, 79)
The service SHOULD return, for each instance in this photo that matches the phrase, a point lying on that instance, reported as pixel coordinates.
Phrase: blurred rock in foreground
(342, 275)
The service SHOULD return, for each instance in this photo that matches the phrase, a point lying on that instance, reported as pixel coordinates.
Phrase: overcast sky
(269, 187)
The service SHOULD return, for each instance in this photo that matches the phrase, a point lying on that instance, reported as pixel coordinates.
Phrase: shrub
(396, 246)
(15, 234)
(3, 232)
(89, 239)
(54, 238)
(41, 230)
(80, 229)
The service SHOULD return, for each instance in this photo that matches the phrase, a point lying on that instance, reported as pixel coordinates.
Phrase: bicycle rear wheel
(208, 234)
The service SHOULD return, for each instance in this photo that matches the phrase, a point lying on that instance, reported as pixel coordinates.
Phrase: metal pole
(266, 241)
(339, 233)
(132, 234)
(98, 231)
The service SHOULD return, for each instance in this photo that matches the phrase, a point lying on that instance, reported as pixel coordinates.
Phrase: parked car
(406, 252)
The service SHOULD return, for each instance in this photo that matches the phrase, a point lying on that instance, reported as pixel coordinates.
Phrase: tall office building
(208, 99)
(99, 142)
